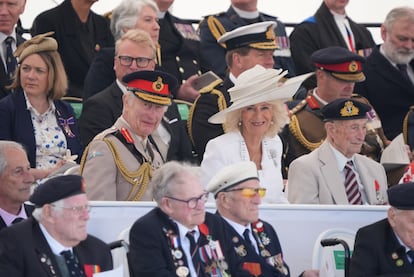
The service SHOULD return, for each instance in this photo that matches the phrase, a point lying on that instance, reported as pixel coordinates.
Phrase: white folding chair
(120, 249)
(331, 259)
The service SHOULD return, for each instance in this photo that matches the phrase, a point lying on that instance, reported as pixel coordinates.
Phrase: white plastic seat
(330, 260)
(119, 254)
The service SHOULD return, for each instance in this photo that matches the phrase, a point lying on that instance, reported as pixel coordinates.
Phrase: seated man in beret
(386, 247)
(118, 163)
(54, 241)
(335, 173)
(178, 238)
(238, 194)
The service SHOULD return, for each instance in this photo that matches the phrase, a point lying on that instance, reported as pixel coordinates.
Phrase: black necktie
(194, 251)
(246, 236)
(410, 254)
(10, 59)
(72, 264)
(17, 220)
(403, 69)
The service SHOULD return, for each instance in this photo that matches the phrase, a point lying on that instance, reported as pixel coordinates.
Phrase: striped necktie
(194, 251)
(403, 69)
(349, 37)
(351, 185)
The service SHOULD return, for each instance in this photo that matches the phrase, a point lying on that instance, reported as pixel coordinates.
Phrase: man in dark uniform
(386, 247)
(337, 70)
(178, 238)
(329, 26)
(238, 194)
(80, 33)
(15, 183)
(246, 46)
(10, 40)
(240, 13)
(54, 241)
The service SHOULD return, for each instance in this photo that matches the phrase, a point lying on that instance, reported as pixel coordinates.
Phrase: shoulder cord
(294, 128)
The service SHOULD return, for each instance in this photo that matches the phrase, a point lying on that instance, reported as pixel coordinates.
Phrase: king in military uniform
(119, 162)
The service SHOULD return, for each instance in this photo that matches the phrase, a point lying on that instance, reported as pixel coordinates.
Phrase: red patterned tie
(351, 185)
(349, 36)
(194, 251)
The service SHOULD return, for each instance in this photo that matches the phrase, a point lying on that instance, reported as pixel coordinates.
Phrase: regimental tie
(349, 37)
(246, 235)
(11, 62)
(17, 220)
(410, 253)
(351, 185)
(194, 251)
(403, 69)
(72, 264)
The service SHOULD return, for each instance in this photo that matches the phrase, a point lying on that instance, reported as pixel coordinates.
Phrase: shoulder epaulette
(104, 133)
(216, 28)
(210, 87)
(298, 107)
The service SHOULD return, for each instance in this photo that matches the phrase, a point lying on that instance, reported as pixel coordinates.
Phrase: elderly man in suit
(54, 242)
(389, 85)
(386, 247)
(10, 40)
(238, 194)
(178, 238)
(334, 173)
(15, 183)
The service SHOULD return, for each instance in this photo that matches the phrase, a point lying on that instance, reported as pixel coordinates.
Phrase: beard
(398, 55)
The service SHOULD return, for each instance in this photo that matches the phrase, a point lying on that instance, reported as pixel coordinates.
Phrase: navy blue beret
(345, 109)
(401, 196)
(57, 188)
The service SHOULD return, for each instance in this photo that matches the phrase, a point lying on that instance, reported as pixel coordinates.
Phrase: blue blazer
(16, 124)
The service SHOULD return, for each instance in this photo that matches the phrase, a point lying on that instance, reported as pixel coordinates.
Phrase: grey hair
(7, 144)
(168, 176)
(397, 14)
(139, 37)
(279, 117)
(38, 212)
(126, 14)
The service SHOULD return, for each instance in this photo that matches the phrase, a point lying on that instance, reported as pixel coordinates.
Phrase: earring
(239, 123)
(271, 122)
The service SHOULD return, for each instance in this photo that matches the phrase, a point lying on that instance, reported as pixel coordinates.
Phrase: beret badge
(349, 109)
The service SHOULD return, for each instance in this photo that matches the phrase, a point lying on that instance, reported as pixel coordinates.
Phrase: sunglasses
(251, 192)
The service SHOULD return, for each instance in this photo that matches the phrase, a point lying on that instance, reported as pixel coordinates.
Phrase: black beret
(401, 196)
(57, 188)
(340, 62)
(345, 109)
(151, 85)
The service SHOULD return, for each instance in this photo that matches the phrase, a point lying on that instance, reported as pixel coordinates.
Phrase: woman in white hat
(252, 123)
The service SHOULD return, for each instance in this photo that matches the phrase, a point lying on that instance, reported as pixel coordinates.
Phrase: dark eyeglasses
(192, 202)
(250, 192)
(141, 62)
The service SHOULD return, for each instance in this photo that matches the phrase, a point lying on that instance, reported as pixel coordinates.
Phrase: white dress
(231, 148)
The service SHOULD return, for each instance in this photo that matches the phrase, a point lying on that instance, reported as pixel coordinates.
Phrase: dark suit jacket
(388, 92)
(206, 105)
(214, 53)
(150, 252)
(16, 124)
(4, 79)
(320, 31)
(64, 21)
(274, 248)
(24, 252)
(377, 252)
(28, 209)
(102, 110)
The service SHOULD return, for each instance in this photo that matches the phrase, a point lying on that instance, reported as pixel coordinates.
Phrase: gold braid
(216, 28)
(405, 125)
(294, 128)
(221, 102)
(138, 178)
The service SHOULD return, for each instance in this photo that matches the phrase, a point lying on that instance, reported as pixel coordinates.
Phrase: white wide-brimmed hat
(257, 85)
